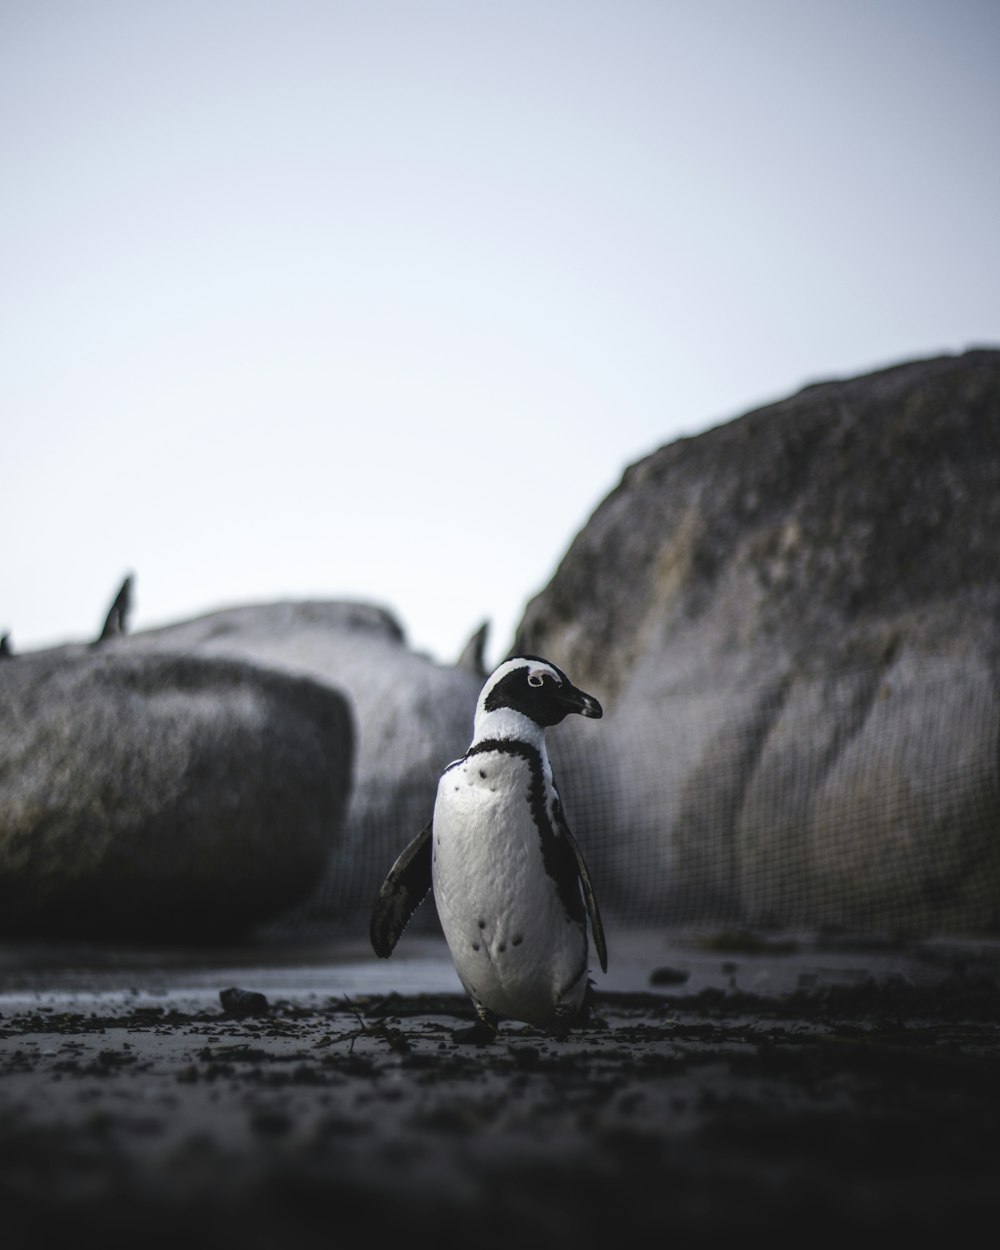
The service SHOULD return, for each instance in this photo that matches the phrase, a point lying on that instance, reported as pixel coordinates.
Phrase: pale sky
(376, 300)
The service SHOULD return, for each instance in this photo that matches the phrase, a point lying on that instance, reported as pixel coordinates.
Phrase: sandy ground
(731, 1085)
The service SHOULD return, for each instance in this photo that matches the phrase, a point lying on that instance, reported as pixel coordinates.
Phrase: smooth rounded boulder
(412, 717)
(793, 621)
(163, 796)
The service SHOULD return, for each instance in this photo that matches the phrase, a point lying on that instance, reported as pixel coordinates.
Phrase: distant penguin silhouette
(116, 622)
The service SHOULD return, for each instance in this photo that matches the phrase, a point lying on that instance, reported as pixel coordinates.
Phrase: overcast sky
(376, 300)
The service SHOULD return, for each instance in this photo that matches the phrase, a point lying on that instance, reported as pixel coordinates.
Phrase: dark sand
(731, 1087)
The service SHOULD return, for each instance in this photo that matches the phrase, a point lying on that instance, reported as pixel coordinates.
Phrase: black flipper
(588, 889)
(402, 892)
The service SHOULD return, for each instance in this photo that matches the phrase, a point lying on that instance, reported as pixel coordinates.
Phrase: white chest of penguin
(484, 830)
(500, 909)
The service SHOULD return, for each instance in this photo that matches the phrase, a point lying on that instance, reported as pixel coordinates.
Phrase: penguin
(511, 886)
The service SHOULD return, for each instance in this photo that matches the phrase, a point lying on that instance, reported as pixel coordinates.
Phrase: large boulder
(794, 622)
(412, 717)
(163, 796)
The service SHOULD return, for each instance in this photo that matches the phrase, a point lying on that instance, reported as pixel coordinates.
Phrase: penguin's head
(537, 689)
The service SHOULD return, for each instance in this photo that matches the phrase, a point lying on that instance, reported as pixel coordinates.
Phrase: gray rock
(162, 796)
(899, 818)
(794, 623)
(412, 717)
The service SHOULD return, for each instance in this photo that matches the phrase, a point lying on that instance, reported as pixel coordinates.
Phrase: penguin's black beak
(574, 700)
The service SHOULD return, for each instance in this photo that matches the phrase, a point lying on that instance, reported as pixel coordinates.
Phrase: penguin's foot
(564, 1022)
(569, 1018)
(483, 1031)
(479, 1034)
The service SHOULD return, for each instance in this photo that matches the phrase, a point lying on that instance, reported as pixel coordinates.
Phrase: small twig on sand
(395, 1039)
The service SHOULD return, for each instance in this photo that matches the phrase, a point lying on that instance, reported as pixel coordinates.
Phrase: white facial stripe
(538, 672)
(499, 674)
(535, 670)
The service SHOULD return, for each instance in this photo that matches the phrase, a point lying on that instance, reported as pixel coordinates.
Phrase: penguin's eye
(536, 679)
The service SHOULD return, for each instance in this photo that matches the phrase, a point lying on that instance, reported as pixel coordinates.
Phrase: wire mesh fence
(865, 799)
